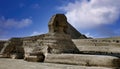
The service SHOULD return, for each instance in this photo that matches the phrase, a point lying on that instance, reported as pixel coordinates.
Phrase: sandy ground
(6, 63)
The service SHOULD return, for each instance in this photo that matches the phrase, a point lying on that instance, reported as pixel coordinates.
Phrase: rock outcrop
(83, 60)
(13, 48)
(59, 23)
(2, 45)
(57, 40)
(34, 50)
(63, 44)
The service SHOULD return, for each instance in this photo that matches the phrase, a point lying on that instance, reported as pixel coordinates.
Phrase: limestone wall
(84, 60)
(98, 46)
(97, 42)
(59, 43)
(56, 43)
(29, 43)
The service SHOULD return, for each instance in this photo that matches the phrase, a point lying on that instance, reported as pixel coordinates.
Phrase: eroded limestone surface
(2, 45)
(13, 48)
(58, 23)
(56, 46)
(57, 40)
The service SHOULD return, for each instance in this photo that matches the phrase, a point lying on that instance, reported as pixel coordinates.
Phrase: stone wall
(97, 42)
(34, 49)
(84, 60)
(98, 46)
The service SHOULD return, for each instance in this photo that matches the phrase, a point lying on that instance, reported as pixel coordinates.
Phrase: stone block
(84, 60)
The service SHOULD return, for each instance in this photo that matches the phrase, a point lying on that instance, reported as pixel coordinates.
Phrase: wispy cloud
(86, 14)
(36, 33)
(21, 5)
(14, 23)
(89, 35)
(36, 6)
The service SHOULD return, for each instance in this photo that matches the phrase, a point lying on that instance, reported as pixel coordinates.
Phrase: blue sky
(95, 18)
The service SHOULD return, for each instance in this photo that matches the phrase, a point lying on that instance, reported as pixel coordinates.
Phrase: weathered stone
(2, 45)
(34, 49)
(84, 60)
(20, 64)
(59, 43)
(35, 54)
(35, 57)
(98, 46)
(13, 46)
(56, 41)
(58, 23)
(58, 33)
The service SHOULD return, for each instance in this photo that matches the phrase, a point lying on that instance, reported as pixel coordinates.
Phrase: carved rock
(13, 47)
(58, 40)
(84, 60)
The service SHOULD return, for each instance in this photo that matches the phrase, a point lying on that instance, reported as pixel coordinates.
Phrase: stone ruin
(58, 23)
(57, 40)
(63, 44)
(13, 48)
